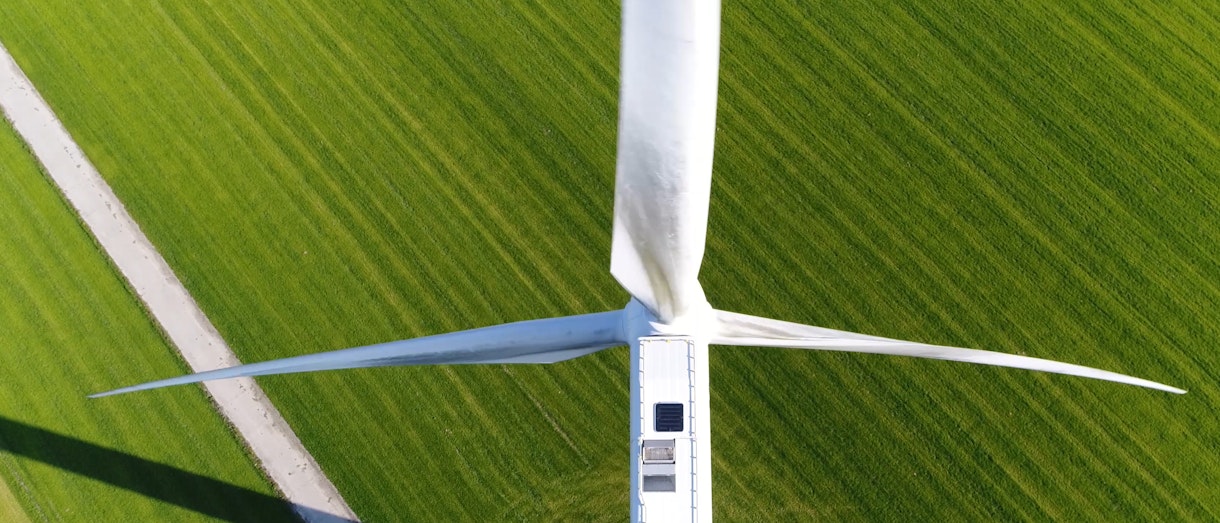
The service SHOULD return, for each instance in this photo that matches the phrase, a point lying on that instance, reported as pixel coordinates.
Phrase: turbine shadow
(207, 496)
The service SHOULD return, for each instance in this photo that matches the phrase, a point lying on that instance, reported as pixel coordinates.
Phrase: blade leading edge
(535, 341)
(743, 329)
(667, 124)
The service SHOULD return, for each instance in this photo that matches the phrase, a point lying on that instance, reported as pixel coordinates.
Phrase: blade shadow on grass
(207, 496)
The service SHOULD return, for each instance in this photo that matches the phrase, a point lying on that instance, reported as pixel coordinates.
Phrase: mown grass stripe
(486, 234)
(296, 148)
(892, 235)
(1029, 226)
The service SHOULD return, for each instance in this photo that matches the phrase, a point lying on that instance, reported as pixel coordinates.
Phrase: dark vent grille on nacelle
(668, 417)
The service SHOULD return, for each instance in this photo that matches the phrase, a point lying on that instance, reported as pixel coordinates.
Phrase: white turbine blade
(667, 123)
(535, 341)
(742, 329)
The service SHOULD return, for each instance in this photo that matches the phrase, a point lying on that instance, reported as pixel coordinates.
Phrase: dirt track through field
(240, 401)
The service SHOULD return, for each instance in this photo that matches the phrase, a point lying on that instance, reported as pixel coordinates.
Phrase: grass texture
(68, 327)
(1029, 177)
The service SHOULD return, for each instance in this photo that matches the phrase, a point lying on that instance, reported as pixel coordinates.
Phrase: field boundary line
(241, 401)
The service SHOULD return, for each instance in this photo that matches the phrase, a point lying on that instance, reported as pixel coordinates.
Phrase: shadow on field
(188, 490)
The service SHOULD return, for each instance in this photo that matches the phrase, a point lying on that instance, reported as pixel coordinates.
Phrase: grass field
(68, 327)
(1030, 177)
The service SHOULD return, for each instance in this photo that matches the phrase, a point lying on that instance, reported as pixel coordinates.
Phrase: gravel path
(240, 401)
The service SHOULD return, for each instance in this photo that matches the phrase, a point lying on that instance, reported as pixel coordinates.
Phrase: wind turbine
(667, 117)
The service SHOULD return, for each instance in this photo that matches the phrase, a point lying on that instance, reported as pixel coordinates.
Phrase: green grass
(1026, 177)
(68, 327)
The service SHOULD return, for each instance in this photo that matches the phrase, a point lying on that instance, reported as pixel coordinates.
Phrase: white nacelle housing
(669, 430)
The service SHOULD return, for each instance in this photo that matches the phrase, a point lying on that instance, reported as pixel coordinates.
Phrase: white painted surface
(745, 330)
(241, 401)
(672, 370)
(667, 126)
(547, 340)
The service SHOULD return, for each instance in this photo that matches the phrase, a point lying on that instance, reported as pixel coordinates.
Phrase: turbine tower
(667, 121)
